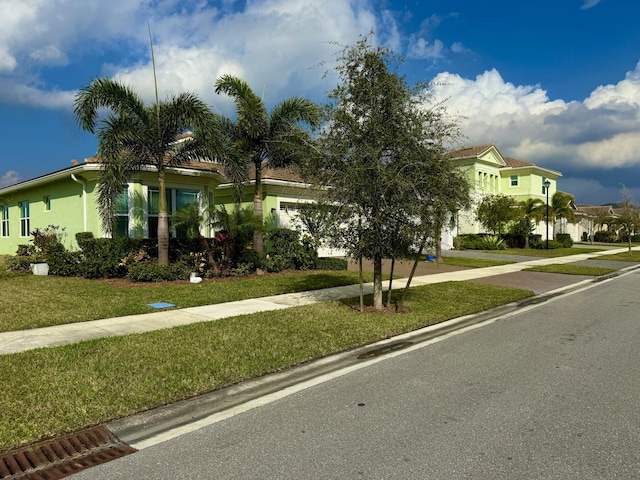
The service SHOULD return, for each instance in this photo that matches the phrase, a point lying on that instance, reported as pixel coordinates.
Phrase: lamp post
(547, 184)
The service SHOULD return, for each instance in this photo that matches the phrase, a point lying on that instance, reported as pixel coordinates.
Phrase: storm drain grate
(63, 456)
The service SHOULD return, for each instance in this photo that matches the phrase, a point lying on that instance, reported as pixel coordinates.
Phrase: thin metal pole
(547, 189)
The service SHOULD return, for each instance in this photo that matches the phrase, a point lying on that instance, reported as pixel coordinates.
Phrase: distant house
(490, 173)
(67, 198)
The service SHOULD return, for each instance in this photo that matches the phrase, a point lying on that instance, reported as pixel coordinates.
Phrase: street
(548, 393)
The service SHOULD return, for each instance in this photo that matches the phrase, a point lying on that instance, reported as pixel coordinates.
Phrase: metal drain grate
(63, 456)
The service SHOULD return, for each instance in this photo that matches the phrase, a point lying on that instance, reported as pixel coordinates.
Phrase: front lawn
(51, 391)
(552, 253)
(569, 269)
(473, 262)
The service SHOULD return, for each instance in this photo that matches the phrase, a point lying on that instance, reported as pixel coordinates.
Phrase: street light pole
(547, 184)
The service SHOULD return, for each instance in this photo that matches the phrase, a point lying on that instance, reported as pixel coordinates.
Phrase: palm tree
(532, 210)
(133, 135)
(260, 136)
(561, 207)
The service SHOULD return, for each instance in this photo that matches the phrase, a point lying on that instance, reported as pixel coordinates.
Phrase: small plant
(493, 242)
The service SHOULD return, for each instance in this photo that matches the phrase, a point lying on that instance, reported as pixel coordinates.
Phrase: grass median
(47, 392)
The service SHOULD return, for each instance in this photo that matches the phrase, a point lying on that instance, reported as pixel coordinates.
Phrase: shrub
(289, 251)
(276, 263)
(250, 259)
(605, 236)
(542, 244)
(468, 242)
(19, 263)
(492, 242)
(514, 240)
(565, 239)
(331, 264)
(102, 257)
(152, 272)
(61, 262)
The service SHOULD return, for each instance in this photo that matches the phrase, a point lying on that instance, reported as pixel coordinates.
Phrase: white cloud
(421, 48)
(9, 178)
(277, 42)
(602, 132)
(589, 3)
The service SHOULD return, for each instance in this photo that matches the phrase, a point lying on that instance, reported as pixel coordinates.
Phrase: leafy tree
(495, 212)
(379, 154)
(133, 135)
(259, 136)
(628, 216)
(236, 228)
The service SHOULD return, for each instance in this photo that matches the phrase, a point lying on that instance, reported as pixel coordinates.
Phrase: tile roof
(515, 163)
(469, 151)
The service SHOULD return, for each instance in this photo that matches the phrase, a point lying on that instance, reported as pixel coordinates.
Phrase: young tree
(259, 136)
(379, 151)
(495, 212)
(628, 219)
(133, 135)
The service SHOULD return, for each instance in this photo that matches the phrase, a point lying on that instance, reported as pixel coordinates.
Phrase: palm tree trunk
(258, 243)
(163, 222)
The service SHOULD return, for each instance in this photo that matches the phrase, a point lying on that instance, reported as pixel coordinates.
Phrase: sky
(551, 82)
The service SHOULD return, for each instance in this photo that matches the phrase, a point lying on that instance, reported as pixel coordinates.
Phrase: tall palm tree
(132, 135)
(532, 210)
(277, 137)
(561, 207)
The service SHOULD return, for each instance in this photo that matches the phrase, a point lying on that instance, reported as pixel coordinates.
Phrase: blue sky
(556, 83)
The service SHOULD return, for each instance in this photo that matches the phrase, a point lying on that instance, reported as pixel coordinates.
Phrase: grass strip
(33, 301)
(572, 269)
(473, 262)
(48, 392)
(632, 256)
(552, 253)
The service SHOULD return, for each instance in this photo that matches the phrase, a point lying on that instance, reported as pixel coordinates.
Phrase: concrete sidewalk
(512, 275)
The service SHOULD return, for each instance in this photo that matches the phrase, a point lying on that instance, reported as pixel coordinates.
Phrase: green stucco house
(490, 173)
(67, 199)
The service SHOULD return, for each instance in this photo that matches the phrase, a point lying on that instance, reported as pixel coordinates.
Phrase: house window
(175, 199)
(24, 219)
(121, 227)
(514, 180)
(47, 203)
(5, 220)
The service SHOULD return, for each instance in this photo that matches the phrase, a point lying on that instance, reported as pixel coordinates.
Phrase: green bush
(468, 242)
(542, 244)
(287, 251)
(250, 259)
(102, 257)
(20, 263)
(277, 263)
(605, 236)
(331, 264)
(61, 262)
(492, 242)
(565, 239)
(152, 272)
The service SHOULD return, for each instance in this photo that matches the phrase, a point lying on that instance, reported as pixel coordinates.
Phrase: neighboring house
(490, 173)
(589, 220)
(67, 198)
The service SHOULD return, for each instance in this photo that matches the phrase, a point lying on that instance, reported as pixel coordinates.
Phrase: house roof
(467, 152)
(515, 163)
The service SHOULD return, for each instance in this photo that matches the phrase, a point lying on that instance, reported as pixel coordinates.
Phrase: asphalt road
(550, 392)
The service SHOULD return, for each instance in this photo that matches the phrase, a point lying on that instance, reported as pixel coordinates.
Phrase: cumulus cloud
(272, 42)
(601, 132)
(9, 178)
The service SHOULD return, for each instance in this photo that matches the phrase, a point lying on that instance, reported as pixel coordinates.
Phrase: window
(514, 180)
(24, 219)
(47, 203)
(176, 199)
(121, 227)
(5, 220)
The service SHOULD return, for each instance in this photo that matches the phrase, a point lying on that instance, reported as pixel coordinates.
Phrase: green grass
(571, 269)
(33, 301)
(552, 253)
(473, 262)
(47, 392)
(633, 256)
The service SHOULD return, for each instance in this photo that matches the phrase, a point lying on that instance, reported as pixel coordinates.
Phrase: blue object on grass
(430, 258)
(161, 305)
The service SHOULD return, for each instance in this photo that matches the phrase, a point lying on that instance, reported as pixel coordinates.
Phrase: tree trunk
(258, 242)
(413, 271)
(163, 222)
(377, 282)
(361, 285)
(393, 264)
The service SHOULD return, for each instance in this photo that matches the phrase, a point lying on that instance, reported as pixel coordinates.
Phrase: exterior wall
(67, 206)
